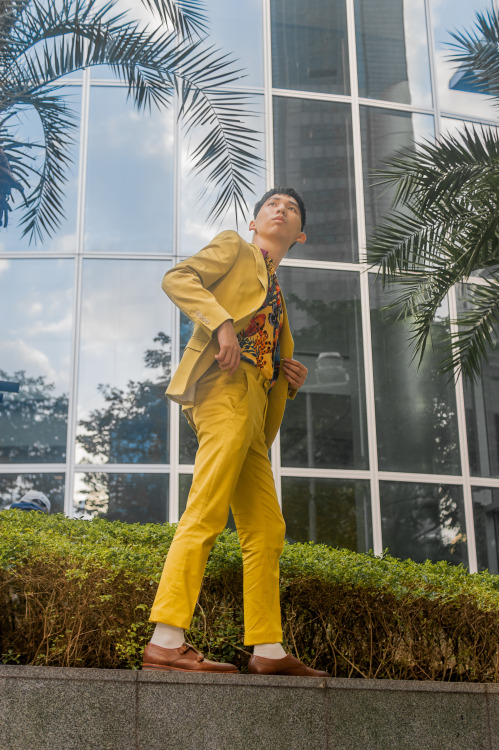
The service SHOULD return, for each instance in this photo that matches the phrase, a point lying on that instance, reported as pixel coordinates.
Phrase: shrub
(78, 593)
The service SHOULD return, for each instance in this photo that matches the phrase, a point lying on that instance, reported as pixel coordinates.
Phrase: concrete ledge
(50, 708)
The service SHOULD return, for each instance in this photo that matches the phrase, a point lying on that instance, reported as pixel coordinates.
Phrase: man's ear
(252, 226)
(302, 237)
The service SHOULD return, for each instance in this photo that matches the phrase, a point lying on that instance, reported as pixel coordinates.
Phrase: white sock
(167, 636)
(269, 650)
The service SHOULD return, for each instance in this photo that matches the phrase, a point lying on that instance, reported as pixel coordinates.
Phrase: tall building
(374, 453)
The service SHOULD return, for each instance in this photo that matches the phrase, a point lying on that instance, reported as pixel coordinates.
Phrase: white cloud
(61, 326)
(35, 309)
(19, 355)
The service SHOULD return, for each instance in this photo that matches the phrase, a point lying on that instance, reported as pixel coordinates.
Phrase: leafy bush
(78, 593)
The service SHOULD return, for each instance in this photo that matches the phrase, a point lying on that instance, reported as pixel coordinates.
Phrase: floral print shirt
(259, 341)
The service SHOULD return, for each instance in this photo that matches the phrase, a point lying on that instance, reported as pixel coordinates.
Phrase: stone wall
(46, 708)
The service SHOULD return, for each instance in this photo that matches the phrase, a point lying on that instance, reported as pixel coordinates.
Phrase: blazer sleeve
(188, 283)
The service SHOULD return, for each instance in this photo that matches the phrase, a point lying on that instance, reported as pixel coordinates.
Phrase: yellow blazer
(226, 279)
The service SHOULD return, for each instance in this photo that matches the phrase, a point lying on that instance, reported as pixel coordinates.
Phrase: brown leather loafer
(289, 665)
(183, 659)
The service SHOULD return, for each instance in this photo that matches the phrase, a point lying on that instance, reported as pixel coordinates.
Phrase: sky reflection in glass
(448, 16)
(196, 230)
(123, 310)
(129, 194)
(36, 298)
(236, 28)
(29, 129)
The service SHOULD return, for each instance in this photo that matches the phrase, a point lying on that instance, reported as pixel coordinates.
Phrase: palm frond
(477, 51)
(477, 330)
(43, 40)
(443, 227)
(187, 17)
(44, 212)
(442, 171)
(226, 154)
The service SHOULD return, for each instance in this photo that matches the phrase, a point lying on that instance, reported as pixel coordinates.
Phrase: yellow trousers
(232, 468)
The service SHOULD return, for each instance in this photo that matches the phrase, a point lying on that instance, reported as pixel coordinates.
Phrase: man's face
(279, 217)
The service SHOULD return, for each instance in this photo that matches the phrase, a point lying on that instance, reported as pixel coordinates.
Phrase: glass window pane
(309, 45)
(457, 91)
(29, 130)
(392, 51)
(331, 511)
(416, 409)
(14, 486)
(486, 517)
(313, 153)
(325, 425)
(184, 487)
(196, 197)
(481, 400)
(124, 363)
(36, 298)
(129, 195)
(134, 498)
(234, 27)
(383, 133)
(424, 521)
(188, 442)
(238, 29)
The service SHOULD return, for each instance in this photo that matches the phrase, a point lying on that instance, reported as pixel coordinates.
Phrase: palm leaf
(44, 212)
(443, 227)
(188, 17)
(477, 330)
(477, 51)
(42, 42)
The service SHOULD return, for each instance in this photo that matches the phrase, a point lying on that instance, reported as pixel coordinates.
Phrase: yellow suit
(227, 279)
(236, 420)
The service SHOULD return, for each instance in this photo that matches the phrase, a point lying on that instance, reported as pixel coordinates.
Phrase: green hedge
(78, 593)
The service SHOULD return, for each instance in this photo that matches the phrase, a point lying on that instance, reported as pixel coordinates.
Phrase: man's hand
(230, 352)
(294, 372)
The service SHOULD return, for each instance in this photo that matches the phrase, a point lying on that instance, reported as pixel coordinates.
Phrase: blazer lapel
(261, 268)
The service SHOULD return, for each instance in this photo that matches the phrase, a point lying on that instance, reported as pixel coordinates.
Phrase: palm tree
(43, 40)
(444, 224)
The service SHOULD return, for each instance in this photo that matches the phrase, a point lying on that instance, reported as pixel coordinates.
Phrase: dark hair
(283, 191)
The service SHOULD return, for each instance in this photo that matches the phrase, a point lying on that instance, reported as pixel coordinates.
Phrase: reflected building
(373, 453)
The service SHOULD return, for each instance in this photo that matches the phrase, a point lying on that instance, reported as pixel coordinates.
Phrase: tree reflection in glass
(486, 517)
(330, 511)
(36, 299)
(134, 498)
(424, 521)
(416, 421)
(34, 421)
(481, 400)
(132, 424)
(124, 363)
(14, 486)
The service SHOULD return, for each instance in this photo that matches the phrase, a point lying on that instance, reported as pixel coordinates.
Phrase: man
(233, 381)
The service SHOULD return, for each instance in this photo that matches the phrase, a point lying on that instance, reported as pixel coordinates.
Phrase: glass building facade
(374, 453)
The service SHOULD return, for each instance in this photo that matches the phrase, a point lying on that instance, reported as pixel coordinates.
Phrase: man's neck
(275, 250)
